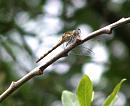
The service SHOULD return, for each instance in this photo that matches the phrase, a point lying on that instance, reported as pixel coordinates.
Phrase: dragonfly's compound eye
(79, 31)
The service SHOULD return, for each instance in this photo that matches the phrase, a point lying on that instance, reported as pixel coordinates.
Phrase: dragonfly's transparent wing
(82, 51)
(70, 41)
(103, 38)
(86, 51)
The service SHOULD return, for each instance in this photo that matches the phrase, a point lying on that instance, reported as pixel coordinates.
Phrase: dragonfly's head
(77, 31)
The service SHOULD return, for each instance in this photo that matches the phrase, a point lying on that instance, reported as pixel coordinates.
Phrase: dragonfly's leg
(78, 37)
(69, 42)
(73, 39)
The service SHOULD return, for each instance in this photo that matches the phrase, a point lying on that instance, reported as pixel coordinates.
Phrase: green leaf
(69, 99)
(85, 91)
(111, 98)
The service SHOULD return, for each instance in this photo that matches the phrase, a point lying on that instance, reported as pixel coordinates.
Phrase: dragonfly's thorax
(67, 35)
(70, 35)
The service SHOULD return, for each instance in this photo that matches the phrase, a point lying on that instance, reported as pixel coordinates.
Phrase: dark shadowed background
(28, 28)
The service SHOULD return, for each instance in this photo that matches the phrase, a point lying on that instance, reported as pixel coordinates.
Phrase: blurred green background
(29, 27)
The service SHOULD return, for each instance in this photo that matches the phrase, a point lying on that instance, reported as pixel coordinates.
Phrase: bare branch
(14, 85)
(39, 70)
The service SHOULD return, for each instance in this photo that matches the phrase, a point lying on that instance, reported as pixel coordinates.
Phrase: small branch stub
(108, 30)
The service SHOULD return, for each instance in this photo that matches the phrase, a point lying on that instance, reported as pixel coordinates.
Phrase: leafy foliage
(69, 99)
(84, 91)
(84, 94)
(112, 96)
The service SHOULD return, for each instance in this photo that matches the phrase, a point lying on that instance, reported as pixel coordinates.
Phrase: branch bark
(40, 69)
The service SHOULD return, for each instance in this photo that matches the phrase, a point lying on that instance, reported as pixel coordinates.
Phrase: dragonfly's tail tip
(40, 59)
(37, 61)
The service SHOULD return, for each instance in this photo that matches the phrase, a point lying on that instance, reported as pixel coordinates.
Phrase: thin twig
(40, 69)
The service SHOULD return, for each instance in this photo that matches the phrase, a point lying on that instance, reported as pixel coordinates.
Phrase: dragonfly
(68, 37)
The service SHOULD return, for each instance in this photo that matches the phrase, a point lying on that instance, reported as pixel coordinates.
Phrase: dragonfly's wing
(71, 41)
(103, 38)
(86, 51)
(86, 48)
(82, 51)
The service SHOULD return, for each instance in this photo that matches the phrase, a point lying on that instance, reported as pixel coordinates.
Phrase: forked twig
(40, 69)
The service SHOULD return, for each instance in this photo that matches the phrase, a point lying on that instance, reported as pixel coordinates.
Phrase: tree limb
(40, 69)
